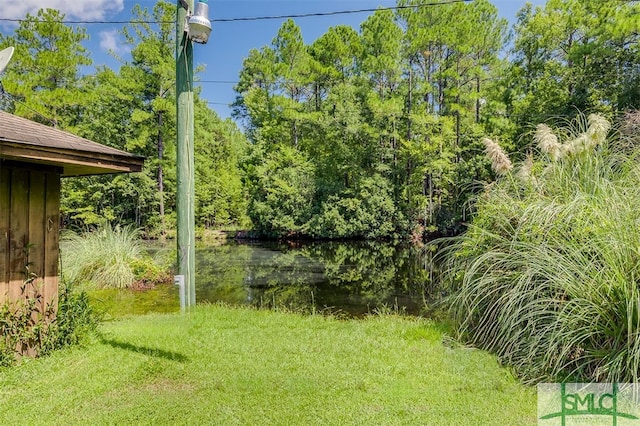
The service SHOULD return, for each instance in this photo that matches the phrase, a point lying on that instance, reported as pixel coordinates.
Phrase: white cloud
(109, 41)
(78, 9)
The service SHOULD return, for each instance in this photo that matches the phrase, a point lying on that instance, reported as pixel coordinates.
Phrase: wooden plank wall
(52, 238)
(5, 179)
(29, 225)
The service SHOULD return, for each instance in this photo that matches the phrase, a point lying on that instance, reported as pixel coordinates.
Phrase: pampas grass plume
(547, 141)
(525, 172)
(597, 131)
(500, 162)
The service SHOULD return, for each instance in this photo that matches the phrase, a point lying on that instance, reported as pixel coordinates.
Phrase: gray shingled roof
(41, 144)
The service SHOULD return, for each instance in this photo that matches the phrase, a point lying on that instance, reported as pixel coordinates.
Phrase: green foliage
(22, 328)
(109, 258)
(92, 200)
(219, 150)
(387, 116)
(572, 56)
(282, 190)
(366, 212)
(405, 99)
(43, 81)
(75, 319)
(547, 274)
(25, 326)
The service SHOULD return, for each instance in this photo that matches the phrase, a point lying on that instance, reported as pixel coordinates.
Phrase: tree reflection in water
(353, 278)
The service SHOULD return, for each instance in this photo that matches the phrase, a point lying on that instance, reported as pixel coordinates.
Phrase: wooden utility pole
(185, 203)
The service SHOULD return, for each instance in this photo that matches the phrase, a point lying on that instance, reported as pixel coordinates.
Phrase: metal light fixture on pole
(189, 28)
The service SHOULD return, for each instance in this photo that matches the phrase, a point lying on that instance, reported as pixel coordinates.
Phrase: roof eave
(72, 162)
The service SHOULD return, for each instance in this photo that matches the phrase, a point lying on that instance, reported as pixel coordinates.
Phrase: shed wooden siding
(33, 158)
(29, 225)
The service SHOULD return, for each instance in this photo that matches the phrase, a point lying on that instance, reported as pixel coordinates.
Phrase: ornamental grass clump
(547, 274)
(109, 257)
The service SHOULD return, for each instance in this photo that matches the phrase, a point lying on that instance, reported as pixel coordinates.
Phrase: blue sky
(229, 43)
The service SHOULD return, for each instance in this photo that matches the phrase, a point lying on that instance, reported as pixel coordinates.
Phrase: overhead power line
(6, 95)
(342, 12)
(260, 18)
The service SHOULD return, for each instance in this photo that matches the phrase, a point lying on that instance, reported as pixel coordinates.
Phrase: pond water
(353, 278)
(345, 278)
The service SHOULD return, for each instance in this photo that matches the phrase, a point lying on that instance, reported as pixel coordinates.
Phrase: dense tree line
(380, 129)
(363, 133)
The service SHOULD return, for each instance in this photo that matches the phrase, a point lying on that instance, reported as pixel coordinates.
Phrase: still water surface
(353, 278)
(346, 278)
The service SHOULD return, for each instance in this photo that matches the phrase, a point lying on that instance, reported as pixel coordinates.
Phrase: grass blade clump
(547, 275)
(109, 257)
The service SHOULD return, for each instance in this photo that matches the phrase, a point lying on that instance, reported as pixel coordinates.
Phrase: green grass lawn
(227, 366)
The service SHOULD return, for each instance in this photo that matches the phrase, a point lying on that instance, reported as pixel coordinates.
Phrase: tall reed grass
(547, 274)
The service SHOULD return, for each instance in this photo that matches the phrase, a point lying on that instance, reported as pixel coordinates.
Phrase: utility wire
(260, 18)
(8, 96)
(343, 12)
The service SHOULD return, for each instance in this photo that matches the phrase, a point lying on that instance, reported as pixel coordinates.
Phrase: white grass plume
(500, 162)
(525, 172)
(547, 141)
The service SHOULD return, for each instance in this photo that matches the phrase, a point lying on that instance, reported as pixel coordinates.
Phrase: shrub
(75, 319)
(25, 326)
(547, 274)
(367, 211)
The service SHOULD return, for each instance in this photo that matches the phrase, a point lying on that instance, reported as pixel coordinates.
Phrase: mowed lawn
(239, 366)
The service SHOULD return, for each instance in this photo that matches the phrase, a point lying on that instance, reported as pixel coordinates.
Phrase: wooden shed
(33, 158)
